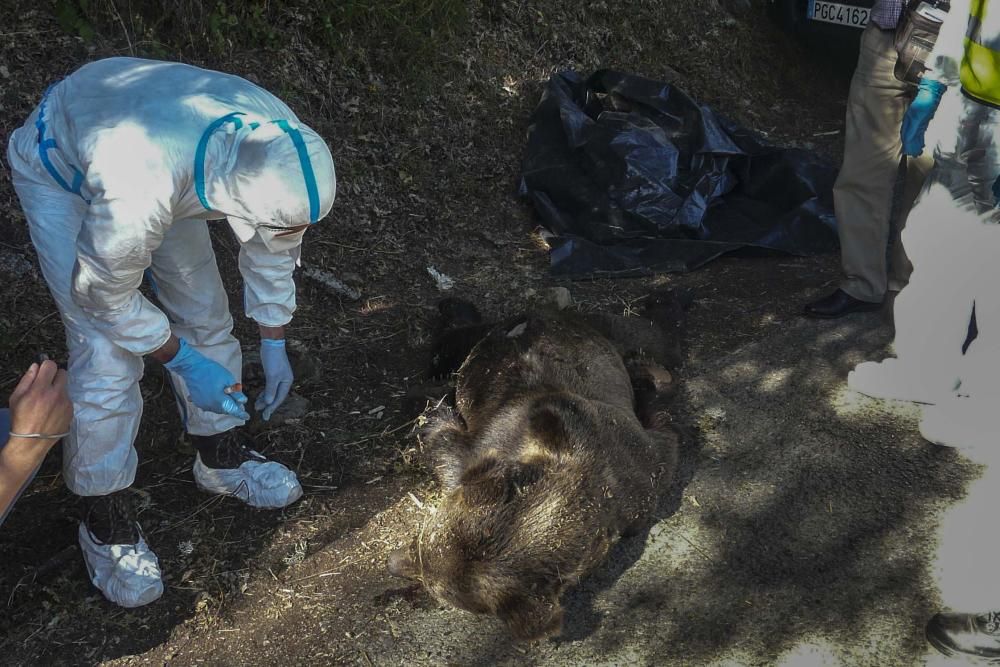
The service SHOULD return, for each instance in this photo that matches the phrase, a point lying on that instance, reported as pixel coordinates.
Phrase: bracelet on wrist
(39, 436)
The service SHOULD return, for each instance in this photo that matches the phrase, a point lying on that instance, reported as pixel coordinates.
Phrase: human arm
(269, 298)
(114, 248)
(167, 351)
(271, 333)
(277, 371)
(943, 70)
(209, 384)
(39, 406)
(919, 115)
(268, 283)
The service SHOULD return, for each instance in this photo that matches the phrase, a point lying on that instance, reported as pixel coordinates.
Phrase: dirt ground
(800, 529)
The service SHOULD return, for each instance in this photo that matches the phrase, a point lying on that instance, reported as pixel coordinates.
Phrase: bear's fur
(544, 458)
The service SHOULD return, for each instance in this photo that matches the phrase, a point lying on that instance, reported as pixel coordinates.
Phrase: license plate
(835, 12)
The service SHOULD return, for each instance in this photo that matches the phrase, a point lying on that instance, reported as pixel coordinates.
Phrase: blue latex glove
(919, 115)
(207, 381)
(278, 375)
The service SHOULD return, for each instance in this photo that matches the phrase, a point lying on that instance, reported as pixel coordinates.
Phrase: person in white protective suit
(951, 241)
(117, 170)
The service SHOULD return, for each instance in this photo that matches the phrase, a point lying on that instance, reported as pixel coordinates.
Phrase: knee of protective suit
(100, 371)
(98, 457)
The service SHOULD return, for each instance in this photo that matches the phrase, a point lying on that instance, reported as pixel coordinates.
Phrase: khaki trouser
(863, 192)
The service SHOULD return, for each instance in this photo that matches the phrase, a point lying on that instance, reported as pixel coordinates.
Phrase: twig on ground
(381, 434)
(215, 500)
(328, 573)
(331, 282)
(698, 549)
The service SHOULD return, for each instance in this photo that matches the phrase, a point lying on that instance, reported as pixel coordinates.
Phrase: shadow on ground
(808, 518)
(813, 512)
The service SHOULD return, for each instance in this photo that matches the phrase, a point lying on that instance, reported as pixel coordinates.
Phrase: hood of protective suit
(265, 174)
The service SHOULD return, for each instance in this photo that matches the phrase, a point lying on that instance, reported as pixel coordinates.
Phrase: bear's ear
(484, 482)
(448, 464)
(548, 427)
(491, 481)
(530, 618)
(484, 467)
(447, 443)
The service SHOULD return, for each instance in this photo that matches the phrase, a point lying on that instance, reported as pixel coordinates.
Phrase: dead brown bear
(544, 458)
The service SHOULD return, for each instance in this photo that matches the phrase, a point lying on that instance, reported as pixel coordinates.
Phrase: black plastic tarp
(632, 176)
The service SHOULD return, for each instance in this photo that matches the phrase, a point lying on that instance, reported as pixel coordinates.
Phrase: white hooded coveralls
(117, 171)
(952, 236)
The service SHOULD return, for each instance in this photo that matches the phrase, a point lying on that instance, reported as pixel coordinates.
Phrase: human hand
(207, 382)
(40, 402)
(279, 376)
(919, 116)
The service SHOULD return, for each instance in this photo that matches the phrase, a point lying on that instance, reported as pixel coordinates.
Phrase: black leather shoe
(966, 635)
(838, 304)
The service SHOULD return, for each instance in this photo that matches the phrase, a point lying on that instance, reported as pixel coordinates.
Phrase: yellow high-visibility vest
(980, 72)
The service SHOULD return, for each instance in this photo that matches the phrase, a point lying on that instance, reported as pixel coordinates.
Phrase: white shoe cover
(895, 380)
(127, 574)
(262, 484)
(963, 423)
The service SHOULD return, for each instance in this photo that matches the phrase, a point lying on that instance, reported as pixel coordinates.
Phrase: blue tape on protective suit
(312, 191)
(199, 154)
(47, 144)
(307, 170)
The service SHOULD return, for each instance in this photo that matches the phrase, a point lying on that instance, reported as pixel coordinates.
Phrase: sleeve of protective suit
(269, 289)
(945, 60)
(113, 249)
